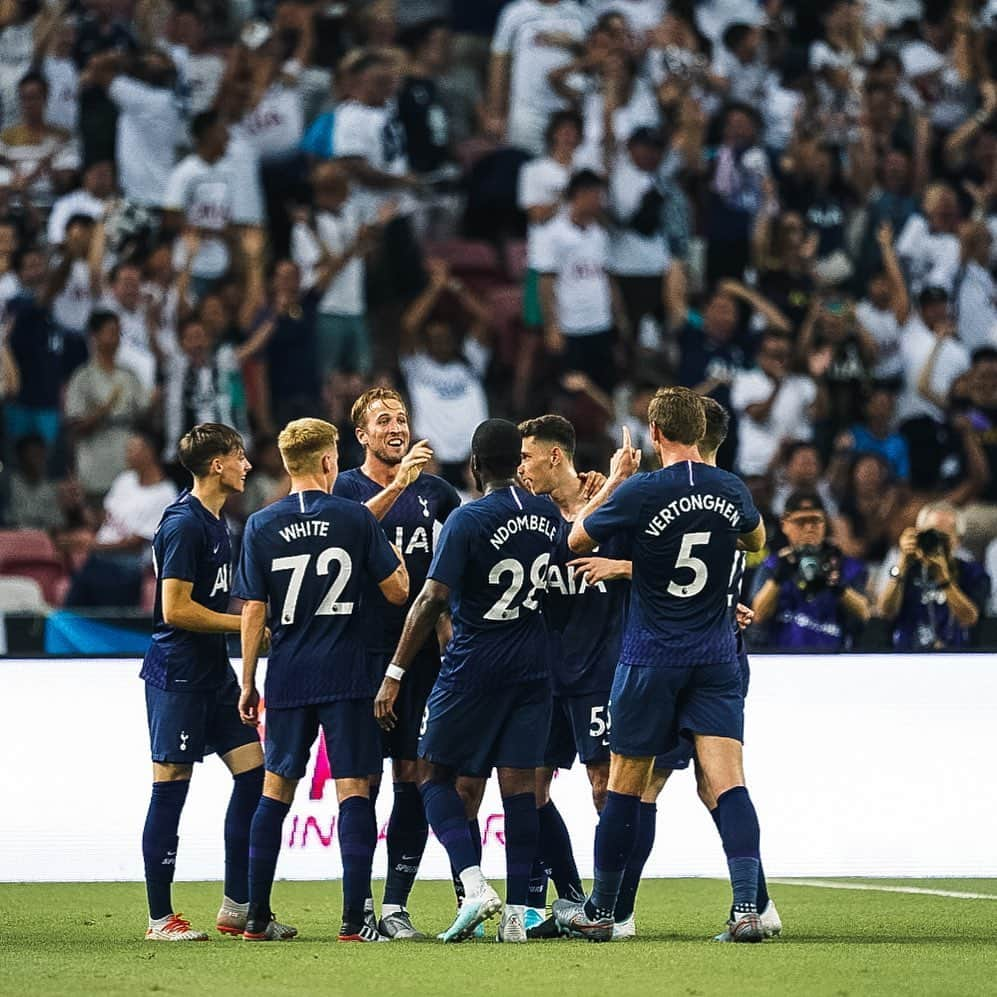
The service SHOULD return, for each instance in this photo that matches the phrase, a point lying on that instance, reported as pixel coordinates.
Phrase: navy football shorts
(680, 757)
(474, 731)
(352, 738)
(651, 707)
(403, 741)
(186, 726)
(579, 725)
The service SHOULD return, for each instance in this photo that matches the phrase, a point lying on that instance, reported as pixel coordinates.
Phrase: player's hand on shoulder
(384, 703)
(413, 463)
(626, 460)
(249, 707)
(591, 481)
(598, 569)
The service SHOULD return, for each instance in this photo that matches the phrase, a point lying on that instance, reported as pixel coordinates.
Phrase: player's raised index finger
(626, 438)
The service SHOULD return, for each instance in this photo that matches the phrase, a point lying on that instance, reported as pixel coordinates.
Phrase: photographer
(933, 596)
(809, 591)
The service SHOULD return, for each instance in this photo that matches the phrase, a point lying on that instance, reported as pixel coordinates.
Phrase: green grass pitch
(87, 939)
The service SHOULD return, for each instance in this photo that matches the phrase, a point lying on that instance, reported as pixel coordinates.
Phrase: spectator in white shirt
(974, 293)
(149, 123)
(72, 283)
(140, 350)
(54, 56)
(90, 199)
(541, 187)
(208, 191)
(932, 358)
(885, 309)
(201, 70)
(112, 574)
(369, 139)
(739, 65)
(928, 246)
(337, 239)
(772, 405)
(445, 379)
(577, 296)
(533, 37)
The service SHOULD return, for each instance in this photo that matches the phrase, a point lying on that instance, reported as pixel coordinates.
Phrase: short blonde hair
(302, 443)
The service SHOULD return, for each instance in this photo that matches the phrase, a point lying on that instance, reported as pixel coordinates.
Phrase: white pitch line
(825, 884)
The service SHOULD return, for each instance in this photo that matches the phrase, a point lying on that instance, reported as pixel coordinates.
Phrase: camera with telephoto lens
(814, 564)
(932, 542)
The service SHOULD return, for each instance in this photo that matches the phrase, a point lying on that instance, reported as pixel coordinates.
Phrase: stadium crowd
(249, 212)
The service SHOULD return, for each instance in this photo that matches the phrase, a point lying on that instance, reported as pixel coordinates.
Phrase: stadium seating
(31, 554)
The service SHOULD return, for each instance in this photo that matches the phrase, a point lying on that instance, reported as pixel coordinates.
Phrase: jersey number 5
(696, 565)
(504, 608)
(298, 566)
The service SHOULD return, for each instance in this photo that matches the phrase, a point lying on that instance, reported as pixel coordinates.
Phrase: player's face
(535, 467)
(386, 434)
(234, 468)
(804, 528)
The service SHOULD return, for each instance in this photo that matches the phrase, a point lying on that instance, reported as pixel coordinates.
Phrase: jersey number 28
(516, 571)
(298, 566)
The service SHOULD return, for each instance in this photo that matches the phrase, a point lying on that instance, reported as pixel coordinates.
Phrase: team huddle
(560, 615)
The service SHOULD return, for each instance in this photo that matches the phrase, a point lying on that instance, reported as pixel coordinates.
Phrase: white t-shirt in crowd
(63, 107)
(77, 202)
(135, 352)
(448, 399)
(883, 326)
(345, 294)
(149, 130)
(541, 182)
(577, 257)
(640, 111)
(747, 82)
(976, 311)
(789, 417)
(931, 259)
(17, 50)
(212, 196)
(375, 135)
(630, 253)
(132, 509)
(275, 126)
(531, 97)
(71, 307)
(916, 343)
(203, 74)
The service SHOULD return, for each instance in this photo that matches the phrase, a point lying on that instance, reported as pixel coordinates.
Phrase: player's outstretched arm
(419, 624)
(394, 588)
(180, 610)
(408, 471)
(253, 630)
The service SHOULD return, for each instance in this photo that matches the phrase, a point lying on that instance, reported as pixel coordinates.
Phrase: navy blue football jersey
(493, 554)
(409, 526)
(683, 523)
(193, 545)
(310, 556)
(585, 621)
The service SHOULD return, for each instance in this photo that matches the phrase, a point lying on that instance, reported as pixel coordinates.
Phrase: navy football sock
(740, 834)
(538, 884)
(763, 889)
(407, 834)
(638, 859)
(521, 831)
(614, 843)
(159, 843)
(247, 788)
(445, 811)
(264, 847)
(555, 847)
(375, 791)
(357, 838)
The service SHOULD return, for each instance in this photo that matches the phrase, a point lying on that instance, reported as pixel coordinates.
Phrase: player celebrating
(584, 609)
(408, 504)
(310, 556)
(678, 670)
(717, 423)
(191, 695)
(490, 705)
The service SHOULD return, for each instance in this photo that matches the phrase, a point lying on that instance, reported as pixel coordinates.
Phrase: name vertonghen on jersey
(692, 503)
